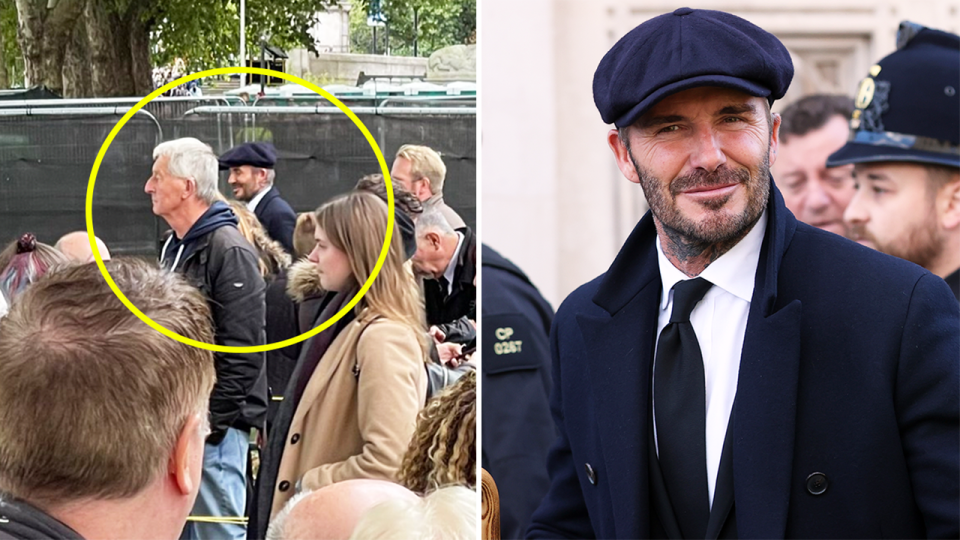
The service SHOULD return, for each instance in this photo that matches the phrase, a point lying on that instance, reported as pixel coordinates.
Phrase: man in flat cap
(711, 384)
(251, 177)
(906, 151)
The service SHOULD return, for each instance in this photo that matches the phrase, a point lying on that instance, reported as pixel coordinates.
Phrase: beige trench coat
(358, 411)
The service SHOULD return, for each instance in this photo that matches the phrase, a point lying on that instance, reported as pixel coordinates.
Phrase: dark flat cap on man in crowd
(686, 49)
(255, 154)
(907, 108)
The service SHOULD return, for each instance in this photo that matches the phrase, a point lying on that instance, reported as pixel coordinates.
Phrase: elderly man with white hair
(208, 249)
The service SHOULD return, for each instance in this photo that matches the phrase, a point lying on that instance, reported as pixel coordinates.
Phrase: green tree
(107, 47)
(440, 23)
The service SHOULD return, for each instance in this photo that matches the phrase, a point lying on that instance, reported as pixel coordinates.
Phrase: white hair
(275, 530)
(449, 513)
(431, 220)
(190, 158)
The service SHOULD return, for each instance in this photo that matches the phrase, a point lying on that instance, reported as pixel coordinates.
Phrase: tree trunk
(138, 43)
(4, 78)
(119, 51)
(44, 33)
(76, 72)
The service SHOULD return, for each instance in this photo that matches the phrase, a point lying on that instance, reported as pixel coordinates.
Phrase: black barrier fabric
(45, 164)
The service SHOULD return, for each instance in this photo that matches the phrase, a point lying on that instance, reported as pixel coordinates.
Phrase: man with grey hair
(208, 249)
(447, 259)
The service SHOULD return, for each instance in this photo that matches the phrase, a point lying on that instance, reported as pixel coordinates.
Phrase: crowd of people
(372, 418)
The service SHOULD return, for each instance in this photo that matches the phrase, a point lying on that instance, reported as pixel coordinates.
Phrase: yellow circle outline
(254, 348)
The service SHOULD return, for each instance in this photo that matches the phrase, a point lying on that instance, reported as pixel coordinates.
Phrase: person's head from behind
(443, 449)
(332, 512)
(76, 247)
(811, 129)
(436, 243)
(698, 136)
(420, 170)
(183, 182)
(303, 234)
(449, 513)
(402, 199)
(102, 417)
(408, 208)
(26, 261)
(272, 259)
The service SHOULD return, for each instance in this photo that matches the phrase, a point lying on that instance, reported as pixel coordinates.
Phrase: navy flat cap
(908, 106)
(255, 154)
(686, 49)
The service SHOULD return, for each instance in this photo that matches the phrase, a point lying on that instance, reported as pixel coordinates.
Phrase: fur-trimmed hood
(303, 281)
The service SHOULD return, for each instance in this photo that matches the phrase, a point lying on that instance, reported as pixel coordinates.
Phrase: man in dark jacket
(735, 373)
(102, 418)
(207, 248)
(447, 259)
(252, 174)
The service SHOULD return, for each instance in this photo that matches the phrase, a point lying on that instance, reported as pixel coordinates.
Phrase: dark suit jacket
(443, 308)
(277, 218)
(849, 369)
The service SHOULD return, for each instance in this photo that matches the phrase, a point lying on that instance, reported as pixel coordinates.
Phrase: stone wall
(344, 68)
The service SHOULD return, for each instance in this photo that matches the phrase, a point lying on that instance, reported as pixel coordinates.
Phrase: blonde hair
(425, 162)
(356, 224)
(449, 513)
(92, 401)
(272, 259)
(443, 449)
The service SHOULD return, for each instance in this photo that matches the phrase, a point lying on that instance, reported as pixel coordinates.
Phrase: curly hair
(443, 449)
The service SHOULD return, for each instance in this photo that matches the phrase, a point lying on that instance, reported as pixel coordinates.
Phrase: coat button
(284, 486)
(591, 474)
(817, 483)
(295, 439)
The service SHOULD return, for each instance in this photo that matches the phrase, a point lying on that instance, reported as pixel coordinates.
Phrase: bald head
(330, 513)
(76, 246)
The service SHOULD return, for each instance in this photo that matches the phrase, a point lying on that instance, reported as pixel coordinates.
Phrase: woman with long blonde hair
(359, 385)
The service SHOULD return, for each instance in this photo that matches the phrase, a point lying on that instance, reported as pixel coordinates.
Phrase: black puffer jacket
(216, 258)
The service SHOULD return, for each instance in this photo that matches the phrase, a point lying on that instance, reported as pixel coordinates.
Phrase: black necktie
(444, 286)
(679, 390)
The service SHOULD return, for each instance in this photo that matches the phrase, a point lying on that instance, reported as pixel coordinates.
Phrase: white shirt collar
(252, 205)
(734, 271)
(452, 265)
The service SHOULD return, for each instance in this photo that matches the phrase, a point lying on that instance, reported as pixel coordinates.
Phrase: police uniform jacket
(845, 422)
(516, 384)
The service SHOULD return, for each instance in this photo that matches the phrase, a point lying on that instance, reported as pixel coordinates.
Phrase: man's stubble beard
(720, 230)
(922, 244)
